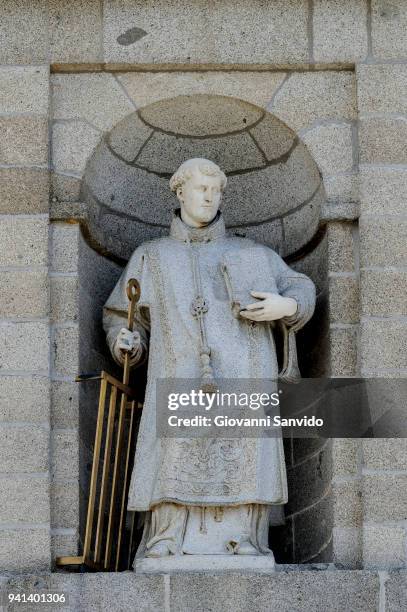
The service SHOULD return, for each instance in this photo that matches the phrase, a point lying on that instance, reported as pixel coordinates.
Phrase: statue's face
(200, 197)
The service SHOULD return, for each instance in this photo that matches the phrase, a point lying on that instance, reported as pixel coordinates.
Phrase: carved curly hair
(186, 169)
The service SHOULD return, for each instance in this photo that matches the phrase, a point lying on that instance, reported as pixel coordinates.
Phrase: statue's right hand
(128, 342)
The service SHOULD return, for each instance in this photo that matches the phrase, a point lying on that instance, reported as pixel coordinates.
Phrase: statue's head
(199, 184)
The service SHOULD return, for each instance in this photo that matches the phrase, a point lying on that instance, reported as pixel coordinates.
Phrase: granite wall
(335, 73)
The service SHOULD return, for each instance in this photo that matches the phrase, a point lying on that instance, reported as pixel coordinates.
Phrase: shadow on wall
(274, 190)
(274, 195)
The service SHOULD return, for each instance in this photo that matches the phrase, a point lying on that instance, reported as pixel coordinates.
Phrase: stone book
(247, 270)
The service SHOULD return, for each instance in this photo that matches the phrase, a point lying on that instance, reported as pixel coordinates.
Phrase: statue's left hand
(269, 307)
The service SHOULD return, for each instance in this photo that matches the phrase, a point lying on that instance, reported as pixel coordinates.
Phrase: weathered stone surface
(24, 89)
(64, 545)
(301, 225)
(66, 350)
(386, 393)
(382, 88)
(343, 299)
(385, 497)
(340, 211)
(343, 358)
(389, 22)
(340, 247)
(342, 188)
(75, 31)
(25, 550)
(24, 399)
(23, 140)
(315, 265)
(24, 241)
(385, 454)
(106, 591)
(64, 404)
(207, 564)
(201, 115)
(345, 456)
(148, 87)
(127, 138)
(383, 241)
(313, 529)
(23, 448)
(72, 145)
(28, 583)
(382, 141)
(132, 233)
(23, 190)
(64, 247)
(304, 448)
(24, 346)
(238, 33)
(24, 499)
(325, 555)
(309, 481)
(273, 137)
(16, 286)
(383, 190)
(347, 547)
(65, 504)
(383, 293)
(270, 234)
(241, 194)
(23, 32)
(64, 298)
(285, 591)
(331, 147)
(228, 152)
(64, 454)
(96, 98)
(67, 212)
(340, 32)
(65, 188)
(347, 503)
(276, 190)
(308, 96)
(396, 591)
(383, 344)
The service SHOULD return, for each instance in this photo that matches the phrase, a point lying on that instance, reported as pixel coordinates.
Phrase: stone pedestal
(220, 564)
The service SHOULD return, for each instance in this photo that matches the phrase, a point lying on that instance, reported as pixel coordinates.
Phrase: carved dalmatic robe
(246, 473)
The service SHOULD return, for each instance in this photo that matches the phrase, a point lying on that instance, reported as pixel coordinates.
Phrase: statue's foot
(241, 547)
(245, 548)
(158, 550)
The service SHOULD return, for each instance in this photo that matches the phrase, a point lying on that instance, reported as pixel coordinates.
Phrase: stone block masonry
(65, 488)
(339, 30)
(336, 72)
(75, 31)
(382, 104)
(25, 536)
(285, 591)
(265, 33)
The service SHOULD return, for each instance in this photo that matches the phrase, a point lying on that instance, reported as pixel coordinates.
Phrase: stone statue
(201, 496)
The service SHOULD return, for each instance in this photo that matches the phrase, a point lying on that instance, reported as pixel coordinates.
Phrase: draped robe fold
(192, 471)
